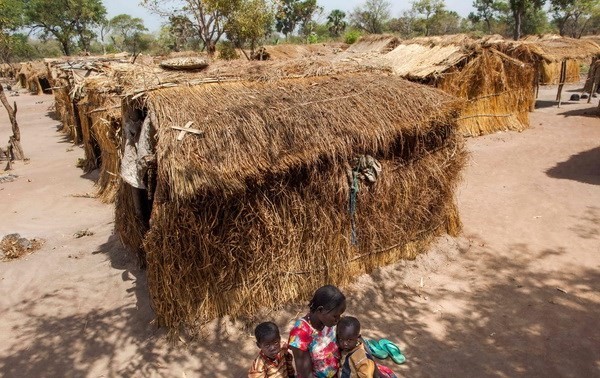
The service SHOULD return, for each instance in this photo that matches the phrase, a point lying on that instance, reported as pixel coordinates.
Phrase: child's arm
(366, 369)
(303, 363)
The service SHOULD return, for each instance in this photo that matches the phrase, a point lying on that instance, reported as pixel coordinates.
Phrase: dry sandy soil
(516, 295)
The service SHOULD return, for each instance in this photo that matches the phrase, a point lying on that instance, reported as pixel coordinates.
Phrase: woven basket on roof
(185, 63)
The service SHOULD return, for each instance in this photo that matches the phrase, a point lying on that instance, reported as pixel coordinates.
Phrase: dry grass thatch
(100, 116)
(592, 83)
(289, 51)
(254, 211)
(9, 70)
(547, 54)
(499, 89)
(34, 77)
(374, 43)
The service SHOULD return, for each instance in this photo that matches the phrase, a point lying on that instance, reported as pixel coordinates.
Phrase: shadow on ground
(592, 111)
(583, 167)
(525, 323)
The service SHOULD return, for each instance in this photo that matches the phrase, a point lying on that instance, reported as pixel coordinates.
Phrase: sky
(153, 22)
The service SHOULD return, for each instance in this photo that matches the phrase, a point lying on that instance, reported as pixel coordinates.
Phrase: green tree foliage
(207, 17)
(371, 16)
(336, 22)
(290, 14)
(10, 19)
(249, 23)
(128, 33)
(519, 10)
(488, 11)
(65, 20)
(572, 17)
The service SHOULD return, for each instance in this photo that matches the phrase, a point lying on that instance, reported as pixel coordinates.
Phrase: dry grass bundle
(254, 212)
(13, 246)
(498, 89)
(374, 43)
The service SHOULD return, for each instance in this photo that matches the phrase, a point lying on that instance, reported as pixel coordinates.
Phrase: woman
(312, 339)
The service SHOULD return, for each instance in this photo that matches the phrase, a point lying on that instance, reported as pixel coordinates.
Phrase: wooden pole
(16, 151)
(563, 76)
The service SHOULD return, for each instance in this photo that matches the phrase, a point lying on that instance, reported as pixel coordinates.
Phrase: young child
(355, 361)
(273, 361)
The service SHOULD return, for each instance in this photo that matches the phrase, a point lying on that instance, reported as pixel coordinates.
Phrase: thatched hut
(592, 84)
(34, 77)
(374, 43)
(280, 186)
(553, 55)
(9, 70)
(498, 89)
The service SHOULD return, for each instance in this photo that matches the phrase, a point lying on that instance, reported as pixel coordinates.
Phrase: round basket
(184, 64)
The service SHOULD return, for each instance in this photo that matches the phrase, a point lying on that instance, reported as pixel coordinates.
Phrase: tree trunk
(517, 33)
(65, 47)
(14, 142)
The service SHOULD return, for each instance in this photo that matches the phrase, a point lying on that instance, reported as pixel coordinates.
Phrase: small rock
(574, 97)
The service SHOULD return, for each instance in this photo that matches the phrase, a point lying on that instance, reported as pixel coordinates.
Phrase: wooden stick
(15, 140)
(563, 76)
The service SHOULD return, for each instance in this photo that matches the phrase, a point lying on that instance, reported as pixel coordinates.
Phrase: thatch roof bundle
(374, 44)
(250, 208)
(499, 90)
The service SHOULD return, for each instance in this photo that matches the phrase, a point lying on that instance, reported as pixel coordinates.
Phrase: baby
(273, 361)
(355, 361)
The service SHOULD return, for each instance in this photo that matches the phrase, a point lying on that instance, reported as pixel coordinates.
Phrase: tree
(291, 13)
(336, 22)
(248, 24)
(372, 16)
(486, 11)
(207, 17)
(65, 19)
(430, 12)
(127, 33)
(10, 20)
(519, 9)
(572, 16)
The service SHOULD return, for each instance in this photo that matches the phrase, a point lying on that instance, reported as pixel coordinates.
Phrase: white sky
(153, 22)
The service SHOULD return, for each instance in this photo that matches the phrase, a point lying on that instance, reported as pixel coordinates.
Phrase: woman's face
(332, 317)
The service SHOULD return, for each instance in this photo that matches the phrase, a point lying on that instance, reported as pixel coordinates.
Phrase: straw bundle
(9, 70)
(592, 83)
(254, 211)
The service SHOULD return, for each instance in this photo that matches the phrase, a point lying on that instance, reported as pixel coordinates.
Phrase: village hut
(374, 44)
(34, 77)
(9, 70)
(498, 89)
(249, 193)
(557, 59)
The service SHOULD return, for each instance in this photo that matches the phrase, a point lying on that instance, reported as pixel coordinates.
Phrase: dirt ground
(516, 295)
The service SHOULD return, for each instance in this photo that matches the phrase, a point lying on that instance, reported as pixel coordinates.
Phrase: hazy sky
(152, 22)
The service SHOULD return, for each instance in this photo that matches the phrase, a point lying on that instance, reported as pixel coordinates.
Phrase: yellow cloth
(360, 365)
